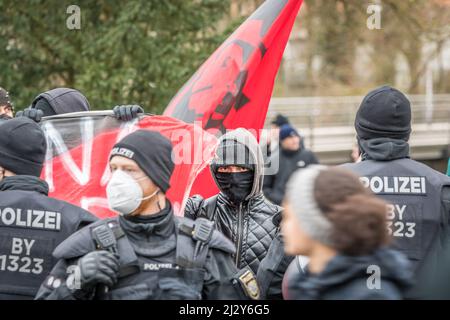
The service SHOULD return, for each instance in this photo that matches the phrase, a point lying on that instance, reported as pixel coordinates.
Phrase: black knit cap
(232, 153)
(280, 120)
(384, 113)
(22, 146)
(151, 151)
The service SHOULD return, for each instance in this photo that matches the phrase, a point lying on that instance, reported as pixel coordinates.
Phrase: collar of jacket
(290, 153)
(249, 202)
(343, 269)
(383, 149)
(24, 183)
(161, 223)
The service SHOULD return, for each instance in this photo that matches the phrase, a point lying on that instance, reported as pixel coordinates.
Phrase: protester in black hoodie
(419, 196)
(66, 100)
(242, 213)
(291, 156)
(31, 223)
(341, 227)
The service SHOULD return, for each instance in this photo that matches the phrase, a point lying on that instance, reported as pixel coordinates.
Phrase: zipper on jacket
(239, 234)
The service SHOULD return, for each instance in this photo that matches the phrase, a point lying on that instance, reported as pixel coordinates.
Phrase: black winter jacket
(252, 225)
(288, 161)
(355, 278)
(27, 242)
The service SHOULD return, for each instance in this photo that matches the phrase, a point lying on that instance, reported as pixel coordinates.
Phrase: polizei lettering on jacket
(395, 185)
(38, 219)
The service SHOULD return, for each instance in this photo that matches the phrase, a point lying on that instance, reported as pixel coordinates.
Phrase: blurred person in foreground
(341, 227)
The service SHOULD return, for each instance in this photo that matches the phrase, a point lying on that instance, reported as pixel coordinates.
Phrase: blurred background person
(355, 155)
(6, 106)
(291, 156)
(272, 139)
(341, 227)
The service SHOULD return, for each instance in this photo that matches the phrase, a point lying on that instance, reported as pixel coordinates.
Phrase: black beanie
(151, 151)
(280, 120)
(232, 153)
(384, 113)
(22, 146)
(46, 108)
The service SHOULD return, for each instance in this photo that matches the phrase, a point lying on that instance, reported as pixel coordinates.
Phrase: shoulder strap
(110, 236)
(105, 235)
(269, 265)
(193, 242)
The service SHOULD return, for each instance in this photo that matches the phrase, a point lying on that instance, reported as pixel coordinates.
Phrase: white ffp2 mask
(124, 193)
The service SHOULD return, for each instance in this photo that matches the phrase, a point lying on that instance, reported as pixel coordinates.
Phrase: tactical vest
(170, 279)
(31, 226)
(179, 274)
(417, 219)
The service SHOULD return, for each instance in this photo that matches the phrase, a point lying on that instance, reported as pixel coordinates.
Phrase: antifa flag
(78, 148)
(232, 89)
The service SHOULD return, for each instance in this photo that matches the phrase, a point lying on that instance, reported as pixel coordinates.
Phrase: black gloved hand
(98, 267)
(128, 112)
(34, 114)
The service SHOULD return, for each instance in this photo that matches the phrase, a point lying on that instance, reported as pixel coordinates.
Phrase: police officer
(418, 212)
(146, 252)
(31, 223)
(66, 100)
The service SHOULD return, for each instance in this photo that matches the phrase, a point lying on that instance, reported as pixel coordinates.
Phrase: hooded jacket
(63, 100)
(251, 225)
(383, 275)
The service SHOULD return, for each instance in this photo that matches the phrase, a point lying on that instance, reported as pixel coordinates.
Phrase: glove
(98, 267)
(34, 114)
(128, 112)
(193, 207)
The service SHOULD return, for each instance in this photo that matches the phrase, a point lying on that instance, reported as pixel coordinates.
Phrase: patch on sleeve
(250, 285)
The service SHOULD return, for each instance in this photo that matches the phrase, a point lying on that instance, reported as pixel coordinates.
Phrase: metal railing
(327, 123)
(340, 111)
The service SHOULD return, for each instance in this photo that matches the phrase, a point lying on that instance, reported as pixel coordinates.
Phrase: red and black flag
(233, 87)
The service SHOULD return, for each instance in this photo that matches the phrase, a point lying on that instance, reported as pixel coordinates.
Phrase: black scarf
(152, 235)
(383, 149)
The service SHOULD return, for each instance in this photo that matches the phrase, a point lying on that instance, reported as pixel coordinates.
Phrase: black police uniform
(161, 257)
(418, 217)
(31, 226)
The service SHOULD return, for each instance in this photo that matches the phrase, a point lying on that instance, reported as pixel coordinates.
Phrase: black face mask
(236, 186)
